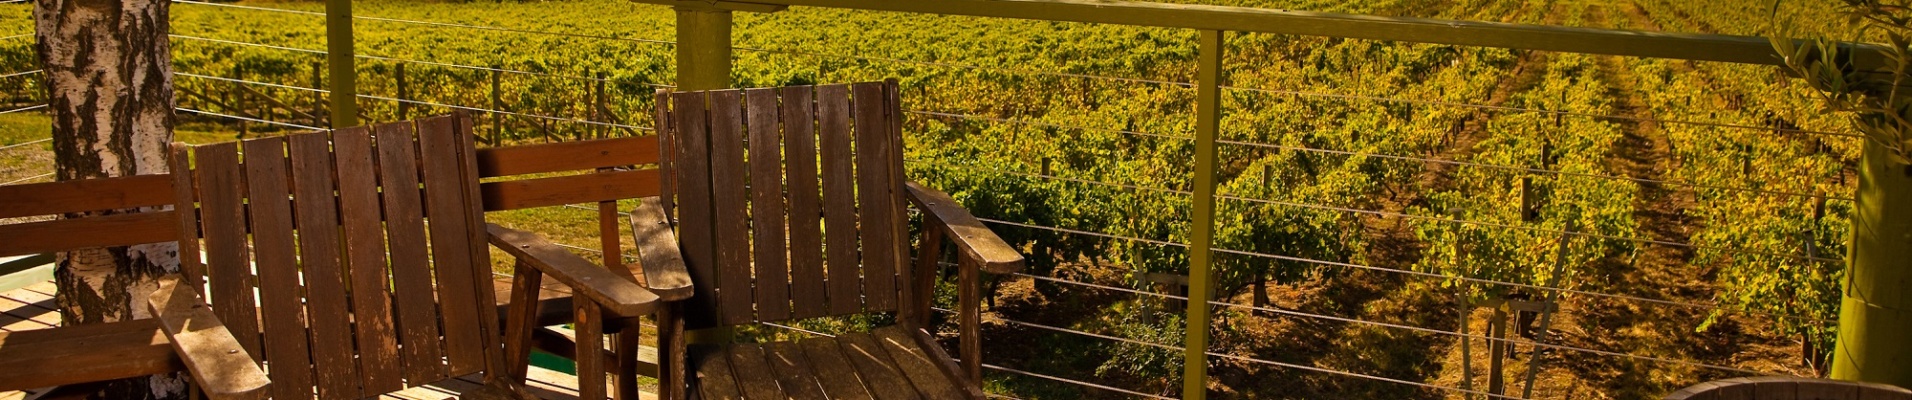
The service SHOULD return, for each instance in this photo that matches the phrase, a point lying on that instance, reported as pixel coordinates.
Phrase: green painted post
(1875, 317)
(342, 63)
(703, 48)
(703, 63)
(1208, 115)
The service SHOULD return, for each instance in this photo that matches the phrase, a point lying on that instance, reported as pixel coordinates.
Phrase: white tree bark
(108, 76)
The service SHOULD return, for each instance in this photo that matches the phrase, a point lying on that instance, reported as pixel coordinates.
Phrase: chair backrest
(365, 250)
(788, 200)
(87, 214)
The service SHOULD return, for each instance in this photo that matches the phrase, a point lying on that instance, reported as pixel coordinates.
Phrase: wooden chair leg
(627, 343)
(589, 322)
(519, 320)
(672, 366)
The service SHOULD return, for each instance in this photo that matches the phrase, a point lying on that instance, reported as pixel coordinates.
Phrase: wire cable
(24, 144)
(421, 62)
(214, 114)
(1536, 170)
(571, 120)
(28, 179)
(21, 73)
(27, 108)
(1414, 273)
(434, 23)
(1392, 214)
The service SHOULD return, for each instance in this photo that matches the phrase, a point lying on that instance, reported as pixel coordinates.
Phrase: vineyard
(1549, 225)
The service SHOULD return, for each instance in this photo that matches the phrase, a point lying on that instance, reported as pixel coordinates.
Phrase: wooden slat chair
(595, 171)
(366, 251)
(790, 205)
(99, 213)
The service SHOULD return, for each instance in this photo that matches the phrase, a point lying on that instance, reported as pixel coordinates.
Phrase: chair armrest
(219, 365)
(616, 294)
(970, 235)
(658, 253)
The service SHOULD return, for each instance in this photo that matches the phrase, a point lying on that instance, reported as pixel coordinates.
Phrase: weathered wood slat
(419, 340)
(833, 369)
(365, 254)
(567, 156)
(692, 180)
(446, 209)
(667, 149)
(89, 232)
(85, 353)
(480, 266)
(280, 296)
(589, 320)
(946, 364)
(319, 251)
(714, 377)
(876, 192)
(210, 352)
(519, 321)
(186, 213)
(839, 200)
(229, 267)
(873, 363)
(85, 195)
(729, 211)
(916, 364)
(753, 372)
(792, 370)
(658, 252)
(573, 189)
(769, 249)
(808, 296)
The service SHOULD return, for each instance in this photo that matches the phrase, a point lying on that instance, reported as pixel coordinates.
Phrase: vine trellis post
(341, 64)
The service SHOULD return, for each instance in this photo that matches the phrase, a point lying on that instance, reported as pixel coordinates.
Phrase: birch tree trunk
(109, 88)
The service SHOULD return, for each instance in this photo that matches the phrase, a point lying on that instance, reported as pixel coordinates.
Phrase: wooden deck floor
(32, 307)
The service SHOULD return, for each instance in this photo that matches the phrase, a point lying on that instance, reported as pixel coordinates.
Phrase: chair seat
(888, 363)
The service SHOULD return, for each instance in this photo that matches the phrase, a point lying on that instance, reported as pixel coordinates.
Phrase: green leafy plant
(1876, 98)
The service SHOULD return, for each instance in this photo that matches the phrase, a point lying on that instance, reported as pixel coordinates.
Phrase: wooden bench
(1786, 387)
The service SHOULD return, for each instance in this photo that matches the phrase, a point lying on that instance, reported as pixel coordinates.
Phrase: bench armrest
(975, 240)
(219, 365)
(658, 253)
(617, 294)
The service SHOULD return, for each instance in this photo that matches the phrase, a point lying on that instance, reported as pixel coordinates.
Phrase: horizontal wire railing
(21, 73)
(24, 144)
(249, 119)
(1411, 272)
(435, 23)
(27, 108)
(1393, 214)
(30, 178)
(1394, 157)
(423, 103)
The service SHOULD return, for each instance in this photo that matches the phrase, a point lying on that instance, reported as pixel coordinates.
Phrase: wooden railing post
(343, 66)
(1875, 315)
(1208, 102)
